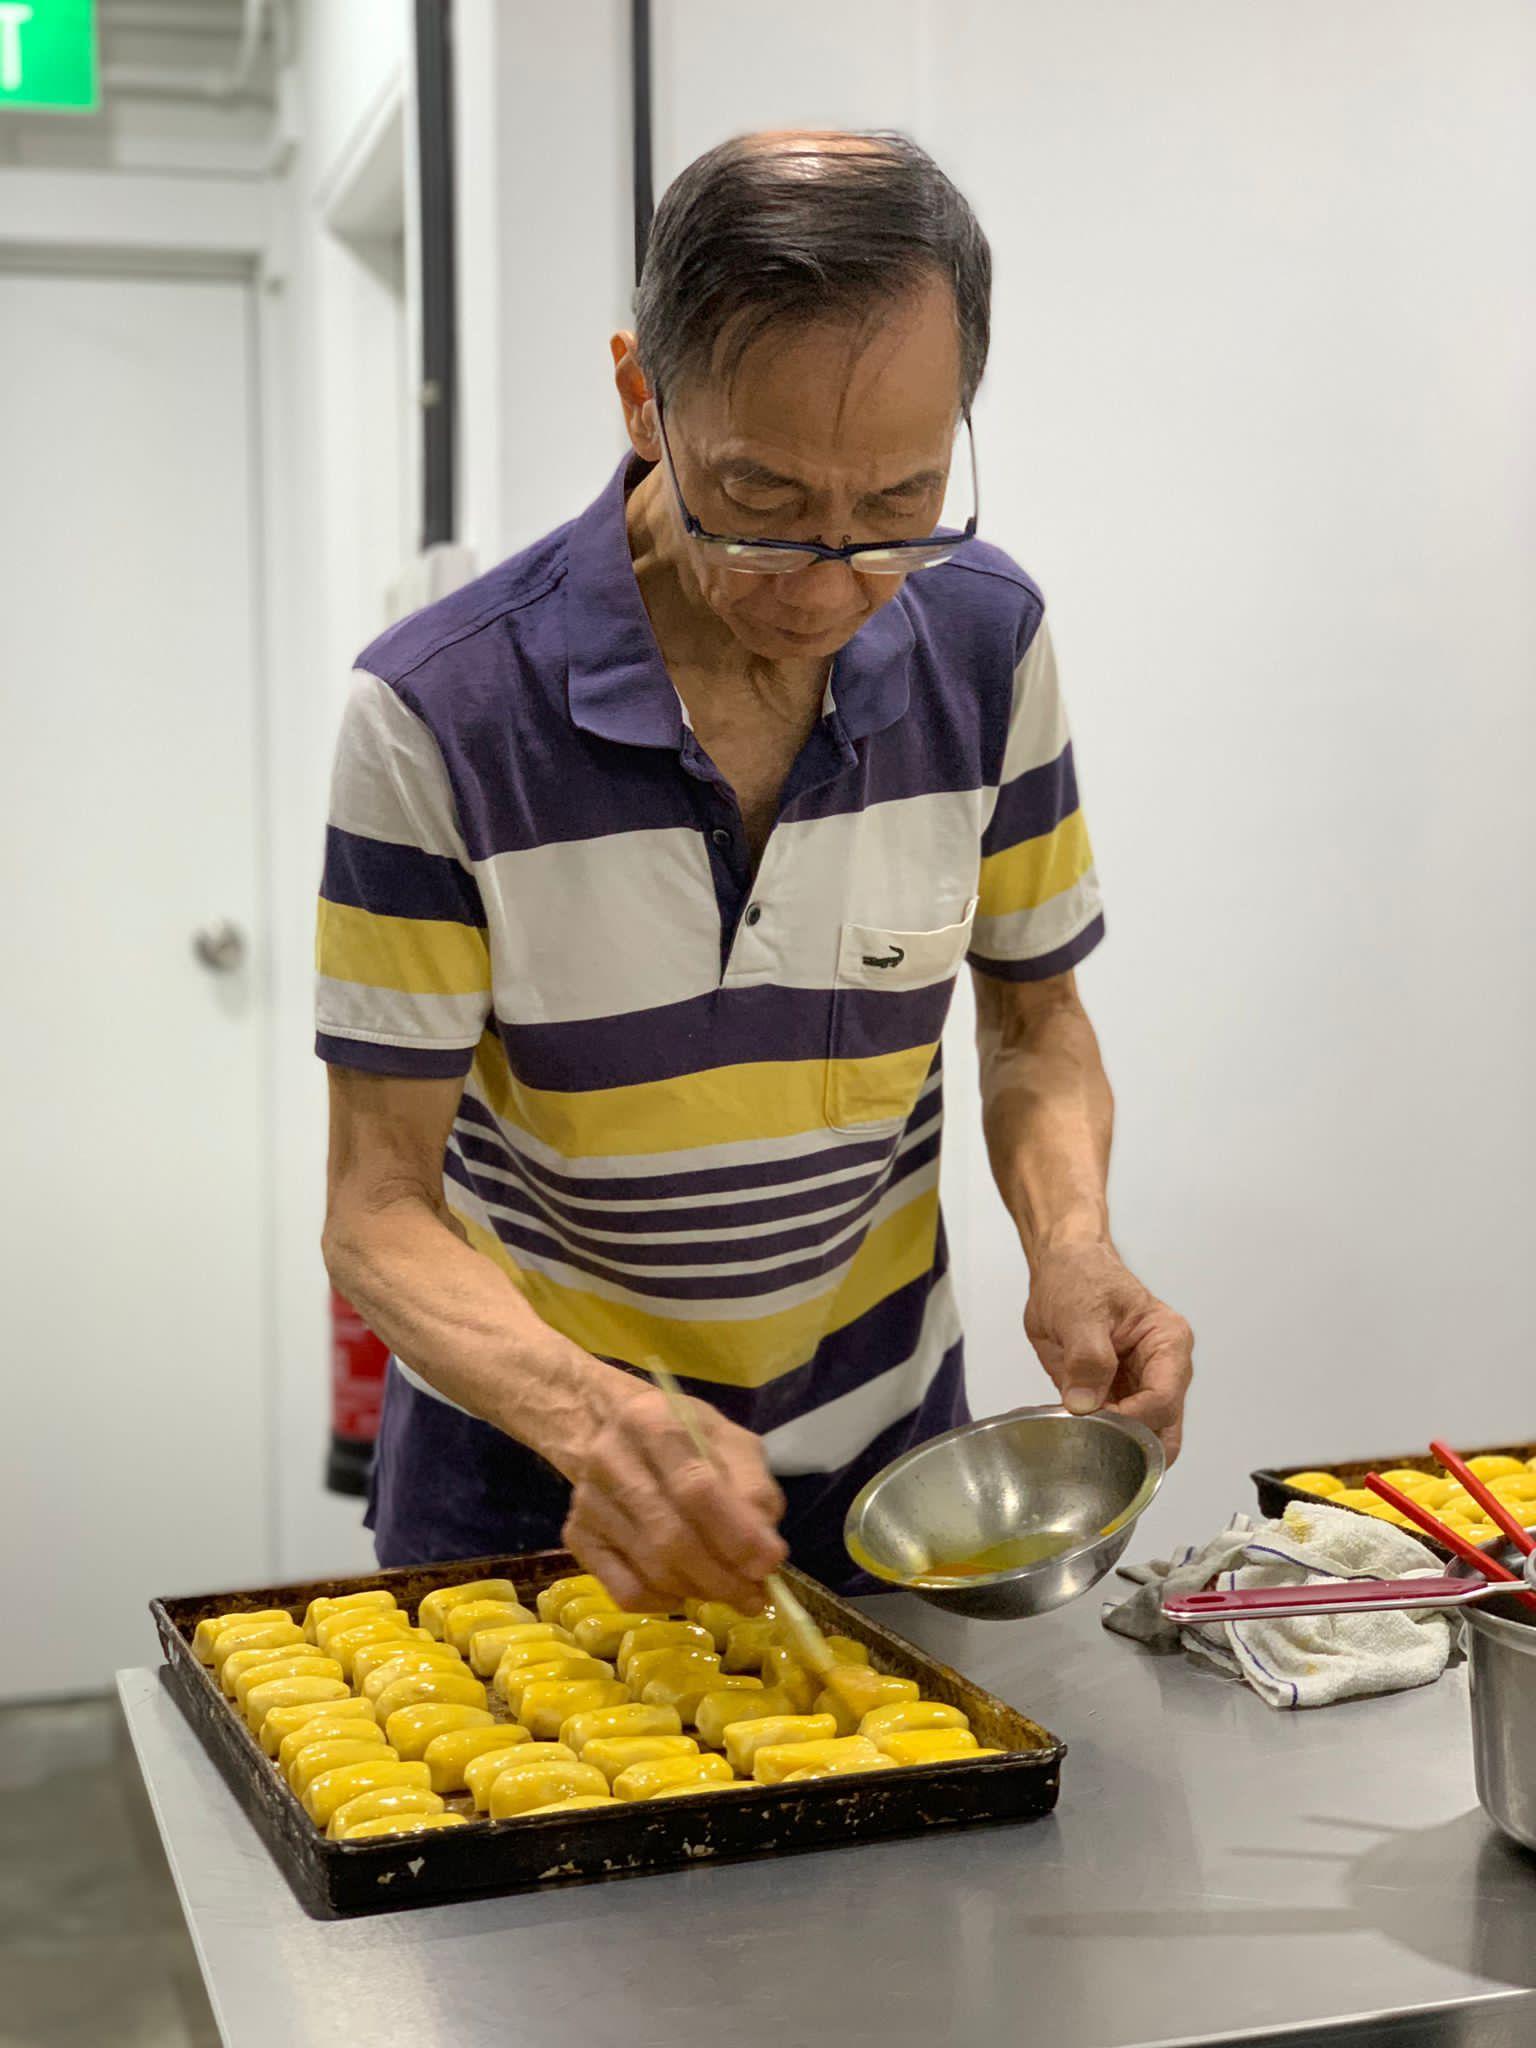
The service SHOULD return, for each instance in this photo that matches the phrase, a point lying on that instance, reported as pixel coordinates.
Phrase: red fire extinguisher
(358, 1361)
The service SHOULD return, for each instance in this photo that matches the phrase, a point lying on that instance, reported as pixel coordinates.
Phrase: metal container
(1039, 1473)
(538, 1851)
(1501, 1663)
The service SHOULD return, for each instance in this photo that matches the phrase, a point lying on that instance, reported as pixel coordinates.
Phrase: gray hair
(755, 235)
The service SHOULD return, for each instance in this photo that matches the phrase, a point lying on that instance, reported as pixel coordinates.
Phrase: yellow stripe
(420, 956)
(1023, 877)
(721, 1106)
(732, 1354)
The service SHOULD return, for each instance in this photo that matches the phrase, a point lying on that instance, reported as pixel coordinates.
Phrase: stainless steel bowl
(1501, 1662)
(1039, 1472)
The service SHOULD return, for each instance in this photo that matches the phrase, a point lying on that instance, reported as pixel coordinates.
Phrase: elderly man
(654, 856)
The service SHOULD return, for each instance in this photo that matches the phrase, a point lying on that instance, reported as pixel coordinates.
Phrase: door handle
(220, 946)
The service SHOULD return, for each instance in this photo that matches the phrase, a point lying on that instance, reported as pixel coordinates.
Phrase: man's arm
(648, 1515)
(1048, 1115)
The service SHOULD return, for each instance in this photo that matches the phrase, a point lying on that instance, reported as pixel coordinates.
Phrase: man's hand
(657, 1523)
(1107, 1341)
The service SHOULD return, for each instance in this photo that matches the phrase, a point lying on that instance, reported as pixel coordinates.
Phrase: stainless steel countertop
(1216, 1871)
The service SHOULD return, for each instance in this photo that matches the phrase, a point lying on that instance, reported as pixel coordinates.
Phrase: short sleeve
(1038, 910)
(402, 960)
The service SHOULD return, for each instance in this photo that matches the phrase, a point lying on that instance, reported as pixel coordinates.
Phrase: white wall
(1260, 419)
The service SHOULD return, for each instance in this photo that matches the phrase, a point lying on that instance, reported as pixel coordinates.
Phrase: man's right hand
(657, 1523)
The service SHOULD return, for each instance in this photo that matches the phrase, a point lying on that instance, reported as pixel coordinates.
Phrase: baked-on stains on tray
(394, 1872)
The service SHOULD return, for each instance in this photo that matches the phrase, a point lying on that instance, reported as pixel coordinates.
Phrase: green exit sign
(48, 55)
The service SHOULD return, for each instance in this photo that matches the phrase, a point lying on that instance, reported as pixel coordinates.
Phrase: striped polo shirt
(702, 1105)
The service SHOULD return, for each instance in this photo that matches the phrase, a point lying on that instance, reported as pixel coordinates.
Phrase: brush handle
(1495, 1509)
(1431, 1524)
(1347, 1596)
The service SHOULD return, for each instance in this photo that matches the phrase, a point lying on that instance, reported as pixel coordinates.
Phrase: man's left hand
(1107, 1341)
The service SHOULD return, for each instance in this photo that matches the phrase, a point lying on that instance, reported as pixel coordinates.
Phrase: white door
(134, 1440)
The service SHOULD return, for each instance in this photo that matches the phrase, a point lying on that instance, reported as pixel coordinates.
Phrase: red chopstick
(1497, 1512)
(1432, 1525)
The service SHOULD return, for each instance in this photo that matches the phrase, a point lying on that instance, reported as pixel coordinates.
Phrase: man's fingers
(1161, 1366)
(727, 1529)
(1089, 1363)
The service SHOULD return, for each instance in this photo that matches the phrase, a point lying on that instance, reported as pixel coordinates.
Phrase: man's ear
(635, 397)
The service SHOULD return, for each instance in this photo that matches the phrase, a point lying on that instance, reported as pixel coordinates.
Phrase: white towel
(1306, 1660)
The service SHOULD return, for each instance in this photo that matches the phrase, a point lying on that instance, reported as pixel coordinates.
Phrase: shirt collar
(618, 683)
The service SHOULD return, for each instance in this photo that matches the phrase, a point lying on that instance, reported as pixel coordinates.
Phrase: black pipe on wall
(640, 124)
(439, 319)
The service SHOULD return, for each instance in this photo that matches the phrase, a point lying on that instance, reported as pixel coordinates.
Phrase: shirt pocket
(889, 1003)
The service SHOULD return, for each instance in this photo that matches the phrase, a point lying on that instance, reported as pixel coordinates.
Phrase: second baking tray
(1276, 1495)
(519, 1855)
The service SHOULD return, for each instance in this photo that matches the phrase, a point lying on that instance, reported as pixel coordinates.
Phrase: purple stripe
(723, 1247)
(397, 881)
(411, 1062)
(771, 1175)
(520, 1235)
(1046, 964)
(724, 1028)
(1033, 803)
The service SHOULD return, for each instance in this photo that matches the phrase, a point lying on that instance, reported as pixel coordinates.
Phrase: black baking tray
(1275, 1496)
(396, 1872)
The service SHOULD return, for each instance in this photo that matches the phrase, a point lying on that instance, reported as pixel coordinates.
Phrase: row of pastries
(485, 1707)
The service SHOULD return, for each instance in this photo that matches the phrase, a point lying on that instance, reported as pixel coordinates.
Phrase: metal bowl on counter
(1007, 1517)
(1501, 1665)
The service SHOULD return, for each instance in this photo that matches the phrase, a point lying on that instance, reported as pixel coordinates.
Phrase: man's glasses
(783, 557)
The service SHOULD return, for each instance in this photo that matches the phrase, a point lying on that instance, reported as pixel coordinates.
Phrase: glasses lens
(757, 561)
(900, 561)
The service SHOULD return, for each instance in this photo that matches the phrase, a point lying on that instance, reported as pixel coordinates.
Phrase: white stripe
(389, 781)
(1026, 934)
(1037, 730)
(389, 1016)
(800, 1145)
(865, 1176)
(601, 927)
(832, 1436)
(749, 1309)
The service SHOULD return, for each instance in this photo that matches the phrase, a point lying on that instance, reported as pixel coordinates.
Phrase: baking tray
(395, 1872)
(1275, 1496)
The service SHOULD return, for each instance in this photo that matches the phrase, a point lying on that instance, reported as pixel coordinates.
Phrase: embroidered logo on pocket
(892, 959)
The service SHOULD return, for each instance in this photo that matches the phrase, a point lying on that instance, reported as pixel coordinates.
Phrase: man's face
(822, 435)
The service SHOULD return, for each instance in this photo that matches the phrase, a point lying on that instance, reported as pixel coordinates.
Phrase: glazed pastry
(686, 1695)
(364, 1622)
(581, 1800)
(204, 1634)
(319, 1757)
(718, 1616)
(554, 1596)
(847, 1651)
(907, 1717)
(380, 1805)
(547, 1703)
(783, 1670)
(644, 1781)
(252, 1635)
(417, 1649)
(601, 1631)
(252, 1660)
(840, 1767)
(928, 1745)
(326, 1728)
(719, 1710)
(466, 1616)
(775, 1761)
(743, 1739)
(630, 1719)
(411, 1659)
(487, 1645)
(308, 1665)
(282, 1721)
(513, 1684)
(851, 1690)
(694, 1791)
(375, 1598)
(481, 1772)
(541, 1650)
(346, 1640)
(660, 1635)
(331, 1789)
(673, 1665)
(523, 1786)
(447, 1756)
(434, 1609)
(400, 1824)
(747, 1644)
(289, 1692)
(410, 1729)
(614, 1753)
(581, 1605)
(461, 1687)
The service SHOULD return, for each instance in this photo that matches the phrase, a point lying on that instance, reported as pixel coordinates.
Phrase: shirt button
(721, 836)
(754, 913)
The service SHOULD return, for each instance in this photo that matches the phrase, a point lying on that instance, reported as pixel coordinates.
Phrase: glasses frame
(819, 550)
